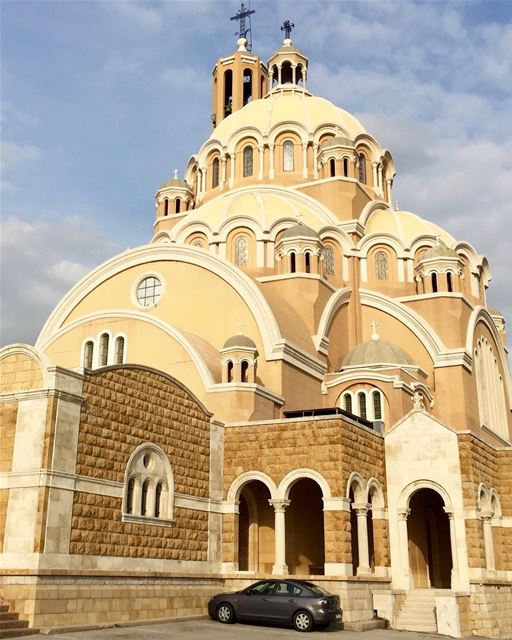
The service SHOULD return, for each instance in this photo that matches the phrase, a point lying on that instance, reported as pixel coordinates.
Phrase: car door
(282, 602)
(253, 602)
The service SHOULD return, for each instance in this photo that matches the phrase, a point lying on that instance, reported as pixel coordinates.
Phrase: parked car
(299, 603)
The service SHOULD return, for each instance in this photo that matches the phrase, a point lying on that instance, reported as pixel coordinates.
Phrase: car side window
(262, 588)
(287, 589)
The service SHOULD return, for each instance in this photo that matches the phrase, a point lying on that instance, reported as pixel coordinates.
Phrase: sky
(100, 101)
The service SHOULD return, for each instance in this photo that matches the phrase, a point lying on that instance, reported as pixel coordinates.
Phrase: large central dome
(309, 112)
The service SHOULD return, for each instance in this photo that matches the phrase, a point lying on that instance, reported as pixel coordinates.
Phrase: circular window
(149, 291)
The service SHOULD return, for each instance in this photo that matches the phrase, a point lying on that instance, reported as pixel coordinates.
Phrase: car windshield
(316, 589)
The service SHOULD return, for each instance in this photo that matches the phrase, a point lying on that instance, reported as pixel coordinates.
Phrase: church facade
(292, 377)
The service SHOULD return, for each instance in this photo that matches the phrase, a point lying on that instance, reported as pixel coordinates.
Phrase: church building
(292, 378)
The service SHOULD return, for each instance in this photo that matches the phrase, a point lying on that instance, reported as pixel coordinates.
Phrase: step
(8, 616)
(4, 607)
(13, 624)
(424, 628)
(17, 633)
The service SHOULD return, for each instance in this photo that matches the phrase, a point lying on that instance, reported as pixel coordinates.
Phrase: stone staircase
(418, 613)
(10, 624)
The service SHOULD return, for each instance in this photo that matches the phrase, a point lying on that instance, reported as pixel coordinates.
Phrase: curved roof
(439, 251)
(287, 107)
(376, 352)
(174, 182)
(239, 341)
(404, 225)
(299, 231)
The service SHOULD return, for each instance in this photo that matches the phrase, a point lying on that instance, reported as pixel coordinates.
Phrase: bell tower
(238, 78)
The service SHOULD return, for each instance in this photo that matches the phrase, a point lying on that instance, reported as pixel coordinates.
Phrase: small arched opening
(247, 82)
(244, 371)
(332, 167)
(293, 262)
(345, 167)
(229, 368)
(228, 92)
(434, 282)
(286, 73)
(255, 528)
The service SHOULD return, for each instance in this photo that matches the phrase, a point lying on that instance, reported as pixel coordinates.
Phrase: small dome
(300, 230)
(375, 352)
(439, 250)
(239, 341)
(174, 182)
(336, 142)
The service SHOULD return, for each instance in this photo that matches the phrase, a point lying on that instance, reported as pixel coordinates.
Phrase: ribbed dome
(376, 352)
(404, 225)
(174, 182)
(239, 341)
(337, 141)
(439, 251)
(299, 231)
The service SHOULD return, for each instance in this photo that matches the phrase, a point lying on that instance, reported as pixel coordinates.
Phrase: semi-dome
(309, 112)
(376, 352)
(239, 341)
(299, 230)
(439, 251)
(404, 225)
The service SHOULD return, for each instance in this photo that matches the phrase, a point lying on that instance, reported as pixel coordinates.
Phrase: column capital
(486, 516)
(449, 513)
(279, 504)
(403, 514)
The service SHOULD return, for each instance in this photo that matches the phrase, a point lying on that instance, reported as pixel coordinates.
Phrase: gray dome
(239, 341)
(337, 141)
(299, 231)
(174, 182)
(376, 351)
(439, 251)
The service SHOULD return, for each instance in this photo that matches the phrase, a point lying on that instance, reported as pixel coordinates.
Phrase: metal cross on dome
(241, 15)
(287, 28)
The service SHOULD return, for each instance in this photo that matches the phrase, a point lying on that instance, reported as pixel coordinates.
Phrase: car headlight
(324, 603)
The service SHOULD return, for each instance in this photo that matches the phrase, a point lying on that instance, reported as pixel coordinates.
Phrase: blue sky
(101, 100)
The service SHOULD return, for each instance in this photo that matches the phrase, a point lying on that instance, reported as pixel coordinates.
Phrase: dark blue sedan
(299, 603)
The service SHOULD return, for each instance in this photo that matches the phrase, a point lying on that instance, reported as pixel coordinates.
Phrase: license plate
(338, 616)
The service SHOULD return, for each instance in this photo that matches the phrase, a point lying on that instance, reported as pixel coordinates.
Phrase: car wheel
(225, 613)
(302, 621)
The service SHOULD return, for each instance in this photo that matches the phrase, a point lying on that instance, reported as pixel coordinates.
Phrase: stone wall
(8, 415)
(20, 372)
(491, 610)
(123, 408)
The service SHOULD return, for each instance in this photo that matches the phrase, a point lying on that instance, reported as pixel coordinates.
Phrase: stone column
(337, 539)
(294, 75)
(278, 74)
(232, 171)
(222, 171)
(261, 161)
(305, 160)
(362, 541)
(403, 541)
(379, 179)
(230, 541)
(374, 175)
(271, 172)
(315, 160)
(389, 183)
(490, 563)
(280, 568)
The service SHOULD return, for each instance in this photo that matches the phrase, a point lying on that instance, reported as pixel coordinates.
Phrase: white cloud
(36, 270)
(15, 154)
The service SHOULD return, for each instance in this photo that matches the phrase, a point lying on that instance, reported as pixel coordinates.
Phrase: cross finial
(175, 174)
(375, 335)
(300, 218)
(287, 28)
(241, 15)
(397, 205)
(241, 328)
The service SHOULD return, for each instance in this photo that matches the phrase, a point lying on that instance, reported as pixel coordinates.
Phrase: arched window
(332, 167)
(449, 282)
(119, 350)
(347, 402)
(88, 354)
(247, 82)
(228, 92)
(149, 486)
(158, 498)
(130, 490)
(166, 207)
(104, 340)
(241, 251)
(215, 173)
(177, 205)
(361, 400)
(288, 164)
(362, 168)
(293, 266)
(307, 259)
(345, 167)
(377, 405)
(328, 260)
(381, 265)
(248, 161)
(245, 371)
(490, 390)
(230, 371)
(434, 282)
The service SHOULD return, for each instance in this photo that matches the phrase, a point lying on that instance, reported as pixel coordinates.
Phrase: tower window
(361, 399)
(241, 251)
(288, 155)
(166, 207)
(381, 265)
(449, 282)
(149, 291)
(286, 73)
(228, 92)
(129, 495)
(434, 282)
(215, 173)
(329, 261)
(307, 258)
(347, 402)
(245, 371)
(88, 354)
(362, 168)
(230, 371)
(104, 340)
(119, 350)
(247, 82)
(158, 499)
(377, 405)
(345, 167)
(177, 205)
(293, 266)
(248, 162)
(332, 167)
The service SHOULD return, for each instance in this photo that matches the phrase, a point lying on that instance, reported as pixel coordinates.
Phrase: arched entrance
(255, 529)
(428, 529)
(305, 553)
